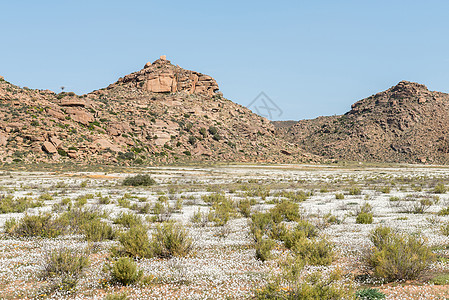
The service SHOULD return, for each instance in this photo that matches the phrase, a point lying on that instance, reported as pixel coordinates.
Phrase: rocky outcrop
(406, 123)
(163, 77)
(160, 114)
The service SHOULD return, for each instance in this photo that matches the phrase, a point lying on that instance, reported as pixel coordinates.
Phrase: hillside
(159, 114)
(406, 123)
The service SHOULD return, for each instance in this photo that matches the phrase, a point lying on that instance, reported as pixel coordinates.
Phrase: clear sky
(311, 58)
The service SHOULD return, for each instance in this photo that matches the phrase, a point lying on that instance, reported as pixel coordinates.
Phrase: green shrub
(260, 224)
(78, 218)
(395, 199)
(440, 279)
(97, 230)
(314, 251)
(385, 190)
(445, 229)
(339, 196)
(128, 220)
(125, 271)
(355, 191)
(295, 196)
(67, 265)
(369, 294)
(285, 211)
(245, 207)
(46, 196)
(65, 261)
(9, 204)
(213, 130)
(398, 256)
(221, 211)
(135, 243)
(170, 239)
(214, 197)
(263, 249)
(440, 189)
(444, 211)
(364, 218)
(139, 180)
(303, 230)
(313, 287)
(42, 225)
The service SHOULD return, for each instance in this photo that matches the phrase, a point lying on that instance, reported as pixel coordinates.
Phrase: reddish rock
(80, 115)
(49, 147)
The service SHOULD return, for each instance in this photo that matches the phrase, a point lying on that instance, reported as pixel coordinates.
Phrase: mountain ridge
(406, 123)
(159, 114)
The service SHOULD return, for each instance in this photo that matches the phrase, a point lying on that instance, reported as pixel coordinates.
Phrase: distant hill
(406, 123)
(160, 114)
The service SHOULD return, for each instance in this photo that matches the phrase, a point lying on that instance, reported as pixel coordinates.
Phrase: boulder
(3, 139)
(56, 114)
(80, 115)
(55, 141)
(104, 144)
(49, 147)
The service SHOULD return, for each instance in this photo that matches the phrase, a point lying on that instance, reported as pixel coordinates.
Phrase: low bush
(9, 204)
(440, 279)
(445, 229)
(128, 220)
(245, 208)
(304, 229)
(135, 243)
(364, 218)
(222, 211)
(66, 264)
(286, 210)
(260, 224)
(440, 189)
(339, 196)
(313, 287)
(355, 191)
(444, 211)
(65, 261)
(42, 225)
(170, 239)
(263, 249)
(314, 251)
(139, 180)
(124, 271)
(97, 230)
(397, 256)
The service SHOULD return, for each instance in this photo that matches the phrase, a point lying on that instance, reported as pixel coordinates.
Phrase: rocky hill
(406, 123)
(159, 114)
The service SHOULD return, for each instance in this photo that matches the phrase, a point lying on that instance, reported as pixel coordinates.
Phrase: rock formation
(406, 123)
(160, 114)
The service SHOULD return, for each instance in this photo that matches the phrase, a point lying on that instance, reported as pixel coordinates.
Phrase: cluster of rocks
(406, 123)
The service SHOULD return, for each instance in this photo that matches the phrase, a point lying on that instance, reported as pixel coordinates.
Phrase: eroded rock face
(163, 77)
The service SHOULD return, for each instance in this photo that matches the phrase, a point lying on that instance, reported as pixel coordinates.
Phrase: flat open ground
(222, 263)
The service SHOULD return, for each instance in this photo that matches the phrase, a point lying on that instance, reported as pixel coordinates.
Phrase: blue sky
(311, 58)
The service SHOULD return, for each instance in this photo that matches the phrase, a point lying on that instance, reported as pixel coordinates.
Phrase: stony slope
(159, 114)
(406, 123)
